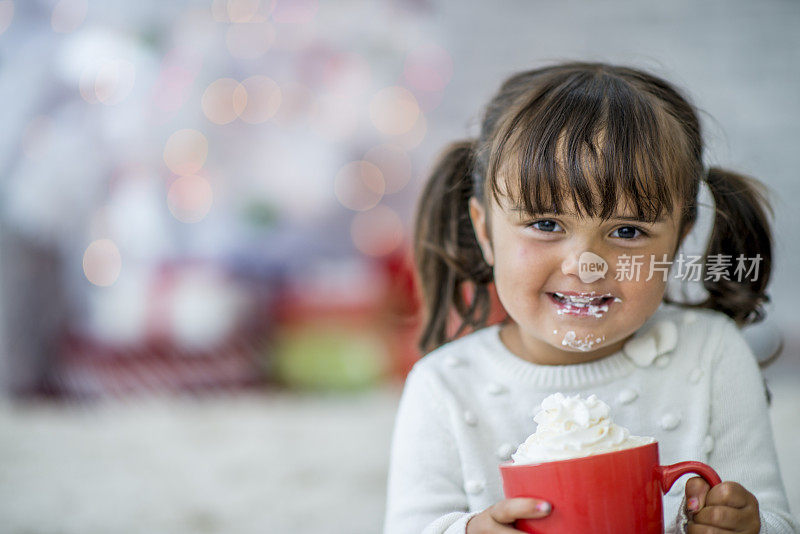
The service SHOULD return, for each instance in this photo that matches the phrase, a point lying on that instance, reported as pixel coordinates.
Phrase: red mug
(607, 493)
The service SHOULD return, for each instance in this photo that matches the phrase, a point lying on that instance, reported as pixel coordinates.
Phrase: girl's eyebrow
(570, 214)
(637, 219)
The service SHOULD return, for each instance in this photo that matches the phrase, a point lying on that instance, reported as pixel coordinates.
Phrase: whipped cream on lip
(582, 304)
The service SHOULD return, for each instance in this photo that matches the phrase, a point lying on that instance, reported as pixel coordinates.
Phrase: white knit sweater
(687, 378)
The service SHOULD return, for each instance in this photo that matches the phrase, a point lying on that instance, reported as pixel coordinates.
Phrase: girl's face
(536, 260)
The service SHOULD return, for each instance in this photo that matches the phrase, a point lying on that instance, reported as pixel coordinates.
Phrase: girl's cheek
(529, 252)
(530, 260)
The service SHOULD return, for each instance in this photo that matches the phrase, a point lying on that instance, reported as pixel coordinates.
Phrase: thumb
(696, 490)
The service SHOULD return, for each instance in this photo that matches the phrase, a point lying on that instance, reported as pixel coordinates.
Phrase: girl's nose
(570, 264)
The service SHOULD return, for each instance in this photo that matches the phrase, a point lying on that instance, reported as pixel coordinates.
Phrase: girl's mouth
(582, 305)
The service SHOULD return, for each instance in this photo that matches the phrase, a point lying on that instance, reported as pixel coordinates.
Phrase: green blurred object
(261, 214)
(329, 358)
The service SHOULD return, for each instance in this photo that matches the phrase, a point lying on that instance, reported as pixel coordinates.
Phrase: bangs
(593, 140)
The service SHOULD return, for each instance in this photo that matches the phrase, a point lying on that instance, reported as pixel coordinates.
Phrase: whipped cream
(585, 344)
(573, 427)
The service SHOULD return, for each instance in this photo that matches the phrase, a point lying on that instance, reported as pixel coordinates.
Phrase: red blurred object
(87, 368)
(403, 306)
(607, 493)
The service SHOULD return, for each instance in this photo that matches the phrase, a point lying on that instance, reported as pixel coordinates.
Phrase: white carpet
(250, 464)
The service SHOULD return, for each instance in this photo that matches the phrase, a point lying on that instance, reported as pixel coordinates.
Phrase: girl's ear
(478, 216)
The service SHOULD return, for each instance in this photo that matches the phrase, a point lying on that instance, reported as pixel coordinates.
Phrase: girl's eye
(629, 232)
(546, 225)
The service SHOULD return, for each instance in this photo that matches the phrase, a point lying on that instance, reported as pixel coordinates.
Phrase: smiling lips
(582, 304)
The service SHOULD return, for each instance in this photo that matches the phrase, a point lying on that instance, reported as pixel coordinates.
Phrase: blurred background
(206, 302)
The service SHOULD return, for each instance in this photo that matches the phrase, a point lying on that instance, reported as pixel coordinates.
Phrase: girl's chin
(581, 336)
(577, 341)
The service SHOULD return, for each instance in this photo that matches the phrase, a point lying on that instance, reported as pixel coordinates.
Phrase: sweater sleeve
(743, 445)
(425, 487)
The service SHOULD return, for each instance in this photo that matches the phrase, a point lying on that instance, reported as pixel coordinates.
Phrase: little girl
(573, 203)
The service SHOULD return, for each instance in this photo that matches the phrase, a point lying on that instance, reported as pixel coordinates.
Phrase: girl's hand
(727, 507)
(499, 518)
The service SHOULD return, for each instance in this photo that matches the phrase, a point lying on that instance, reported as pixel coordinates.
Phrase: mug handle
(668, 474)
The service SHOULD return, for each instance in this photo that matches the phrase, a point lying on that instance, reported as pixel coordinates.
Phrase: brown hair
(564, 128)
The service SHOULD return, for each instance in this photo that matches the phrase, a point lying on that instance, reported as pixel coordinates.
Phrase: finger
(508, 510)
(481, 524)
(728, 494)
(723, 517)
(696, 490)
(694, 528)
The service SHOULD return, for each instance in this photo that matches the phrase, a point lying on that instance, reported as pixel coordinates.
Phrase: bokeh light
(224, 100)
(190, 198)
(67, 15)
(104, 65)
(414, 137)
(185, 151)
(428, 101)
(359, 185)
(249, 40)
(109, 83)
(294, 11)
(102, 262)
(394, 110)
(6, 14)
(377, 232)
(263, 99)
(428, 67)
(394, 163)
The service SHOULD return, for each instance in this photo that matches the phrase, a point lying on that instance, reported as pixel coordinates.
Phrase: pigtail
(446, 250)
(741, 228)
